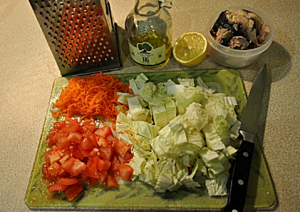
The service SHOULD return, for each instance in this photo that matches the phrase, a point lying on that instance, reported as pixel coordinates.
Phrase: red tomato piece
(59, 125)
(53, 156)
(122, 148)
(102, 176)
(75, 137)
(63, 143)
(50, 138)
(57, 187)
(73, 191)
(102, 141)
(87, 144)
(55, 170)
(115, 164)
(95, 160)
(67, 181)
(112, 140)
(94, 152)
(76, 153)
(93, 172)
(78, 167)
(88, 128)
(67, 164)
(125, 171)
(92, 181)
(128, 157)
(103, 131)
(106, 153)
(72, 126)
(103, 165)
(59, 135)
(111, 182)
(85, 153)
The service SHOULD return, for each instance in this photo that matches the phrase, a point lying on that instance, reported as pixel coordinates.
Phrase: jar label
(145, 54)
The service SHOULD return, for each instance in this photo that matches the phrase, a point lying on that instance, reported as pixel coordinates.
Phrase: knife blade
(238, 180)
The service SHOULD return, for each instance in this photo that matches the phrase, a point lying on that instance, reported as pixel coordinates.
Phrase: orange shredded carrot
(129, 131)
(90, 97)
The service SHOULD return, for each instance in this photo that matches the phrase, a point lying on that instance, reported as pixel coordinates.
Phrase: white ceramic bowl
(235, 58)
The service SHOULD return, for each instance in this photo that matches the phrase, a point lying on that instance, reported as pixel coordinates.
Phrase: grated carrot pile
(90, 97)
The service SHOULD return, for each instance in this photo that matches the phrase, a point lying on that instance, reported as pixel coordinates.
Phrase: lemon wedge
(190, 49)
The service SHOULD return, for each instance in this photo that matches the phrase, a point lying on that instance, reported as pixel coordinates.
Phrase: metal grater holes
(78, 31)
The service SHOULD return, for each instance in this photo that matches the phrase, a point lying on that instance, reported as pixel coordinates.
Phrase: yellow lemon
(190, 49)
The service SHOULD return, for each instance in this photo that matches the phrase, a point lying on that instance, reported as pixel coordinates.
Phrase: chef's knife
(238, 180)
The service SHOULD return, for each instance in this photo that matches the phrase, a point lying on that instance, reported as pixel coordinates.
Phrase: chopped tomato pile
(82, 153)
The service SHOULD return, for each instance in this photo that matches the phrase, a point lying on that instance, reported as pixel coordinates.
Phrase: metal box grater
(81, 34)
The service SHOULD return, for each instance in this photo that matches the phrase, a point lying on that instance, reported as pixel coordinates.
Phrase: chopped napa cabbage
(215, 166)
(171, 110)
(169, 82)
(147, 91)
(230, 151)
(145, 129)
(230, 100)
(195, 138)
(133, 86)
(180, 134)
(207, 155)
(175, 89)
(216, 107)
(164, 181)
(121, 109)
(234, 131)
(140, 80)
(159, 114)
(142, 142)
(137, 163)
(204, 86)
(136, 112)
(222, 128)
(122, 97)
(161, 89)
(216, 187)
(196, 116)
(186, 82)
(149, 171)
(183, 100)
(133, 102)
(231, 117)
(213, 140)
(123, 122)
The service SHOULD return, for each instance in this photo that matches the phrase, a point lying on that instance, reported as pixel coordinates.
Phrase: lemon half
(190, 49)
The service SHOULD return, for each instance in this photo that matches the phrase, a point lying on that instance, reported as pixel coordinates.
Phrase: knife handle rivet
(246, 154)
(234, 210)
(240, 182)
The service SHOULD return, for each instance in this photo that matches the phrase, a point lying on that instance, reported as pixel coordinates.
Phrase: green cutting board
(140, 196)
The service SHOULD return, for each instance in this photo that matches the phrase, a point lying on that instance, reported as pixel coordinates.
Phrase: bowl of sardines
(237, 36)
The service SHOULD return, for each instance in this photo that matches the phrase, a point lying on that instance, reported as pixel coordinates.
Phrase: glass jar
(149, 33)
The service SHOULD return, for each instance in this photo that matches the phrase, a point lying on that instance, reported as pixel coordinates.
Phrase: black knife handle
(238, 180)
